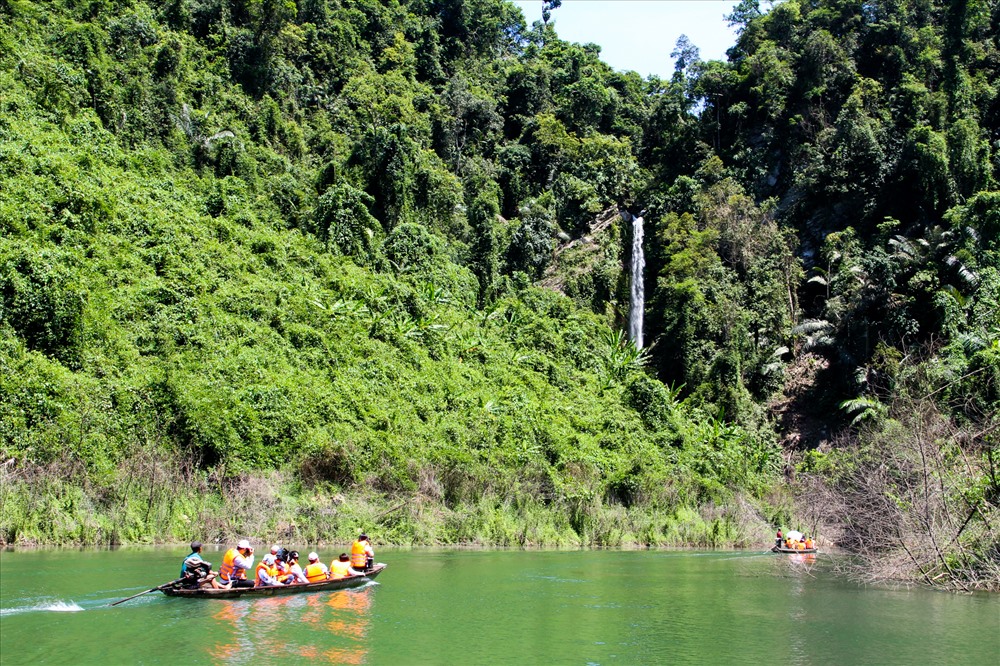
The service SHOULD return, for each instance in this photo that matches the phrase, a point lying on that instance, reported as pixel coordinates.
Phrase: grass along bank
(162, 500)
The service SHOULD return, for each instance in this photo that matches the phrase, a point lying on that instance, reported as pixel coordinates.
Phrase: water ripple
(55, 607)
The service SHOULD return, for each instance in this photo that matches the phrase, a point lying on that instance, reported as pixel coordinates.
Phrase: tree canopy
(320, 238)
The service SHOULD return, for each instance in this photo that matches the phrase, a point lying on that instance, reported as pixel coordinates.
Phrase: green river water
(491, 607)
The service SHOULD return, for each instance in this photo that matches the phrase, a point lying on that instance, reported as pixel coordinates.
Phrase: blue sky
(640, 34)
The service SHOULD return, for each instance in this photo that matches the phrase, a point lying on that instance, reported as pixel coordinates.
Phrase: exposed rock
(795, 409)
(584, 252)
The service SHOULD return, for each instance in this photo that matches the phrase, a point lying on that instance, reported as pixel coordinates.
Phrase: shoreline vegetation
(275, 508)
(295, 269)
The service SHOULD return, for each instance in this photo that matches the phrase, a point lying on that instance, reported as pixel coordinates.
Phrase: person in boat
(194, 570)
(341, 567)
(281, 564)
(276, 552)
(235, 563)
(778, 539)
(316, 571)
(810, 544)
(362, 554)
(193, 565)
(267, 572)
(294, 569)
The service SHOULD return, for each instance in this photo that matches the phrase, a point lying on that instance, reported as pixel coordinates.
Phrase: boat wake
(56, 607)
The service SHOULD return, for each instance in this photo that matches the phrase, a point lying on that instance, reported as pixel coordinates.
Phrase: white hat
(243, 544)
(313, 556)
(269, 559)
(275, 548)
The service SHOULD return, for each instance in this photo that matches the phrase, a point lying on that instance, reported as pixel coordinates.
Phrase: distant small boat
(275, 590)
(792, 551)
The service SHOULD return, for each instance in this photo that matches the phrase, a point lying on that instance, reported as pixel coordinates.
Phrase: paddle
(154, 589)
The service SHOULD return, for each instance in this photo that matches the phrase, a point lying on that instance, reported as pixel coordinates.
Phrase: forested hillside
(290, 269)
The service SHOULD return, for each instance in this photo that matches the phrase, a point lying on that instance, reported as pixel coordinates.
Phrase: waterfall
(638, 296)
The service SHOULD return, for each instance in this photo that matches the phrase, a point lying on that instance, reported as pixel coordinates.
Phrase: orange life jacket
(282, 571)
(358, 555)
(799, 545)
(314, 572)
(809, 543)
(228, 570)
(339, 569)
(271, 571)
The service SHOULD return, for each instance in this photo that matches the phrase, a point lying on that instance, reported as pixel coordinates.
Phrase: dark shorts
(241, 582)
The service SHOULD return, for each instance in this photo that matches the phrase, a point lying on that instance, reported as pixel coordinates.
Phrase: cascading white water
(637, 301)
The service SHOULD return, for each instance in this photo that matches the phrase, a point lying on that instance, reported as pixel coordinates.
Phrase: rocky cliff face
(591, 269)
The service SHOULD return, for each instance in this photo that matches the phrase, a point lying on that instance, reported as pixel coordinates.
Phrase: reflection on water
(798, 608)
(802, 558)
(801, 564)
(283, 626)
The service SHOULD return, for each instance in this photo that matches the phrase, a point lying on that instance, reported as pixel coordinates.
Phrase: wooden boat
(792, 551)
(274, 590)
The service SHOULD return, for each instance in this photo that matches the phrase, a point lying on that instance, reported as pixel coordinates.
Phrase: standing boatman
(362, 554)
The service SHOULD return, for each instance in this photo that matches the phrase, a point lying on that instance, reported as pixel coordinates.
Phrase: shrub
(42, 301)
(411, 247)
(343, 221)
(576, 203)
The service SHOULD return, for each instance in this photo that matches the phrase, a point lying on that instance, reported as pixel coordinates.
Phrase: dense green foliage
(294, 247)
(242, 237)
